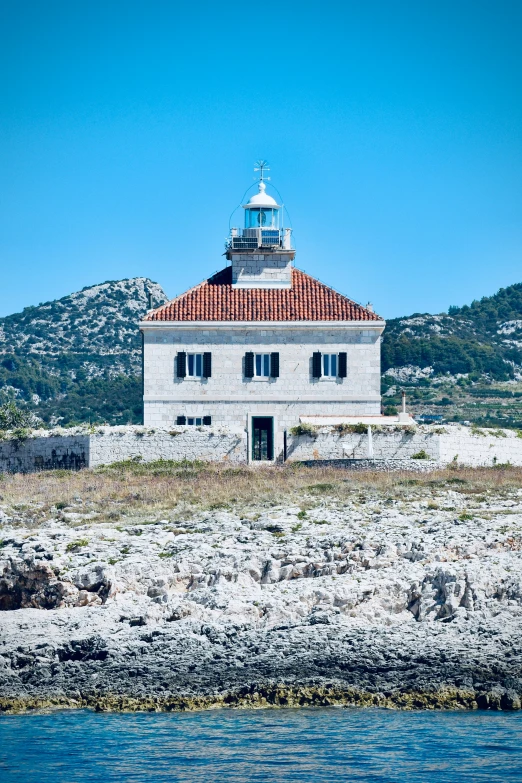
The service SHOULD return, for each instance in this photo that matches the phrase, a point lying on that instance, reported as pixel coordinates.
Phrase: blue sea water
(273, 746)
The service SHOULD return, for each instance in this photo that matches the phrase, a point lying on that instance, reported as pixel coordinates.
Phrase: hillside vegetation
(466, 364)
(482, 338)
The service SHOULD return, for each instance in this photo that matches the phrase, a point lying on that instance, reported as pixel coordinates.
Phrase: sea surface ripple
(263, 745)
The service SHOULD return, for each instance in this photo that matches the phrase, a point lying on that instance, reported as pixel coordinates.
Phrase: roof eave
(377, 324)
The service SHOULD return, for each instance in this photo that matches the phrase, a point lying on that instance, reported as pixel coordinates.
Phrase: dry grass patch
(129, 488)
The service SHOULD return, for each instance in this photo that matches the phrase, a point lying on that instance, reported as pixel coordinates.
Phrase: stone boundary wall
(476, 448)
(461, 445)
(50, 452)
(76, 448)
(327, 445)
(180, 443)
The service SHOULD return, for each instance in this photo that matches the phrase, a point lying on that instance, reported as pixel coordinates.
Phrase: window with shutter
(274, 365)
(207, 420)
(181, 420)
(181, 364)
(195, 365)
(207, 365)
(316, 364)
(262, 365)
(249, 364)
(330, 365)
(343, 365)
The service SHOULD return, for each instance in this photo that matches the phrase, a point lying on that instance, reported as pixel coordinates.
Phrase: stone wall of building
(229, 397)
(251, 269)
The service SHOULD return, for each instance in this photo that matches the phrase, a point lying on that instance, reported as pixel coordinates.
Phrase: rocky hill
(464, 364)
(78, 358)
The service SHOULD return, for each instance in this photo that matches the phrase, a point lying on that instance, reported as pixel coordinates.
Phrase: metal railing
(253, 238)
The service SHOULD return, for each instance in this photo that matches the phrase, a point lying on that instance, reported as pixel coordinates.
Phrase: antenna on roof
(262, 166)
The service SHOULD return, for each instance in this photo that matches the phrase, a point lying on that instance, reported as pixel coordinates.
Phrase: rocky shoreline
(409, 597)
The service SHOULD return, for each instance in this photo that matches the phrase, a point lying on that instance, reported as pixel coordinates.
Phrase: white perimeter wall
(44, 453)
(460, 445)
(115, 444)
(190, 443)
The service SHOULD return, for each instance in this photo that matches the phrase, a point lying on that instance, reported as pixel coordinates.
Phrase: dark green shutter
(249, 364)
(207, 365)
(316, 364)
(342, 364)
(181, 365)
(274, 365)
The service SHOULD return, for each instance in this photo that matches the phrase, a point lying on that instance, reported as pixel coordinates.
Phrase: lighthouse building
(260, 346)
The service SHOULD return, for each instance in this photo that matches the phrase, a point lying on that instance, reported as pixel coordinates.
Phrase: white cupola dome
(262, 199)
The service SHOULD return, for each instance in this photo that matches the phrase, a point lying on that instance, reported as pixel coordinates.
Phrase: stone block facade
(260, 270)
(230, 398)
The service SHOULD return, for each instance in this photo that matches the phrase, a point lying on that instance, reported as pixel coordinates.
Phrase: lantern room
(262, 211)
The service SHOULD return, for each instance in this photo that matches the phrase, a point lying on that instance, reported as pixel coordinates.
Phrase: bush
(421, 455)
(74, 545)
(357, 429)
(390, 410)
(304, 429)
(13, 418)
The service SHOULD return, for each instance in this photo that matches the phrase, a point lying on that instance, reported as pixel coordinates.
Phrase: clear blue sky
(128, 132)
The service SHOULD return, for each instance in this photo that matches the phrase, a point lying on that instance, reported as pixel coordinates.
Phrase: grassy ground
(125, 489)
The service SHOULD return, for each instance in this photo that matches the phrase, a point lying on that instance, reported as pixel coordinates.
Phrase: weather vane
(262, 166)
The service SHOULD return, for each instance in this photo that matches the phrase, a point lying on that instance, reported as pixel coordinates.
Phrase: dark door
(262, 438)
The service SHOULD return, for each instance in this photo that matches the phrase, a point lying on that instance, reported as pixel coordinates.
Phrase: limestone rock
(381, 597)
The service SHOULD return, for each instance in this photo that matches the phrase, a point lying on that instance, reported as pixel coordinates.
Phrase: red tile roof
(307, 300)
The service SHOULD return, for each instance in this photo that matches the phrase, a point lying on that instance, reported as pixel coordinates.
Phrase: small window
(196, 421)
(195, 365)
(181, 420)
(262, 365)
(330, 365)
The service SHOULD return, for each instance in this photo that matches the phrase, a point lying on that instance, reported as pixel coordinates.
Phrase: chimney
(149, 295)
(369, 307)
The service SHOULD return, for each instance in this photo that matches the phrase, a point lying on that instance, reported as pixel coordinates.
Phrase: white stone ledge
(279, 400)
